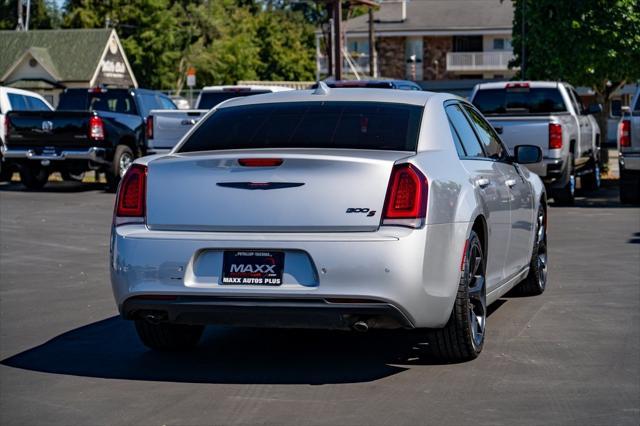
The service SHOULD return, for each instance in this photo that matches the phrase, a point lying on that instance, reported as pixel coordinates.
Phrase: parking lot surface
(570, 356)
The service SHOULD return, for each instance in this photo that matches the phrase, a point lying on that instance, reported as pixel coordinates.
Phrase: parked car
(373, 84)
(97, 129)
(629, 152)
(549, 115)
(166, 128)
(333, 209)
(16, 99)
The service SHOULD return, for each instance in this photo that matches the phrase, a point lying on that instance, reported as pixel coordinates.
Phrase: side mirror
(594, 109)
(527, 154)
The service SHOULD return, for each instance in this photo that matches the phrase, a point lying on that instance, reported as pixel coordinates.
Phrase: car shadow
(607, 196)
(55, 187)
(110, 349)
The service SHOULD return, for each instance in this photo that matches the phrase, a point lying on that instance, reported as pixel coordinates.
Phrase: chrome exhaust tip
(361, 326)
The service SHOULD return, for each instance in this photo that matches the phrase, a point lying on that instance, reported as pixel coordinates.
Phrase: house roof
(440, 16)
(73, 55)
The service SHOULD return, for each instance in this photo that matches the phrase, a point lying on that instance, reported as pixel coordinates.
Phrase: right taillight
(555, 136)
(150, 127)
(131, 199)
(624, 133)
(406, 201)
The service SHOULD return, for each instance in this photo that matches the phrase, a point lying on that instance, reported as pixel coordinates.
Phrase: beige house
(48, 61)
(432, 40)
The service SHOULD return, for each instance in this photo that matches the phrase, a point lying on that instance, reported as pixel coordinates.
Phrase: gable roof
(73, 55)
(440, 16)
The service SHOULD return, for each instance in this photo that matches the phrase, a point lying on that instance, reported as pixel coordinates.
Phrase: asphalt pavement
(570, 356)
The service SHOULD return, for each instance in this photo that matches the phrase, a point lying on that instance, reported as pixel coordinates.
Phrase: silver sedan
(330, 208)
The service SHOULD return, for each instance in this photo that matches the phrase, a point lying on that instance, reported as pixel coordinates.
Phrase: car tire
(536, 281)
(462, 338)
(629, 187)
(168, 337)
(591, 181)
(122, 158)
(33, 176)
(565, 196)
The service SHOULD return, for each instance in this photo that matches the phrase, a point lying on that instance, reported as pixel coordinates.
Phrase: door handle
(482, 182)
(511, 182)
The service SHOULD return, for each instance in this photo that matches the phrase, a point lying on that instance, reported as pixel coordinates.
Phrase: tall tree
(592, 43)
(43, 15)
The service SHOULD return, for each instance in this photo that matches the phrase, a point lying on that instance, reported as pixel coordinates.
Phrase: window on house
(498, 44)
(467, 43)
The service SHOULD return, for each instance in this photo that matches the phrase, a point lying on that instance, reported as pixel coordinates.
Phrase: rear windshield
(519, 101)
(210, 99)
(114, 100)
(347, 125)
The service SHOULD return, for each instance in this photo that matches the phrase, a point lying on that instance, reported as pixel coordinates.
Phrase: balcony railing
(361, 61)
(478, 61)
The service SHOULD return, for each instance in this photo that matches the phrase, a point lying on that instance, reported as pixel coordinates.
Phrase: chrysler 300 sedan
(339, 209)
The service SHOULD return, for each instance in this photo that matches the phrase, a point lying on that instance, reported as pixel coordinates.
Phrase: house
(47, 61)
(433, 40)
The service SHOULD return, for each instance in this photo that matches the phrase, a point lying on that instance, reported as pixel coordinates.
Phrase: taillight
(624, 133)
(7, 126)
(96, 128)
(131, 199)
(555, 136)
(150, 127)
(406, 202)
(260, 162)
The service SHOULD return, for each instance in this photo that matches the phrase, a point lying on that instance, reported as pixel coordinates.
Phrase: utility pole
(522, 55)
(337, 18)
(373, 60)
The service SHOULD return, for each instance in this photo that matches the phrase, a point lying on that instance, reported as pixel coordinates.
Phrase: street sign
(191, 77)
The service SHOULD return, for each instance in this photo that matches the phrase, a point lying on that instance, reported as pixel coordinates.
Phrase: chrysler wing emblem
(47, 126)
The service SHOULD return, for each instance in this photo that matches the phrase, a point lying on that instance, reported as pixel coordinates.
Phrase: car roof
(532, 84)
(249, 87)
(372, 82)
(408, 97)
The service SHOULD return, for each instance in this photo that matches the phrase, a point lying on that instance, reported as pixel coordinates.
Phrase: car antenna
(322, 89)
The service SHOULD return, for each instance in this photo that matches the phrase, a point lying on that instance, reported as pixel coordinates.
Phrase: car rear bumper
(409, 276)
(95, 154)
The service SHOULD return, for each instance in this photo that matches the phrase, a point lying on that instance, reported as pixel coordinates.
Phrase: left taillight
(7, 126)
(624, 133)
(131, 200)
(96, 128)
(406, 201)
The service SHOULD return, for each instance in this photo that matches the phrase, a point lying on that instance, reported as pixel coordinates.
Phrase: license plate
(252, 267)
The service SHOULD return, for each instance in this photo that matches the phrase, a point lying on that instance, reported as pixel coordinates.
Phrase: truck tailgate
(64, 129)
(169, 126)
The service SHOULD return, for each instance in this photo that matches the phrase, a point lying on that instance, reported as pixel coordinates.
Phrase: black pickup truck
(97, 129)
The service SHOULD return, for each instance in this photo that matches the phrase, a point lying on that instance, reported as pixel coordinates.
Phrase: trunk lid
(310, 191)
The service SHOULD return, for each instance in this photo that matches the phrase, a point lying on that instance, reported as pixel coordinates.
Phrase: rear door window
(519, 101)
(18, 102)
(490, 140)
(346, 125)
(463, 132)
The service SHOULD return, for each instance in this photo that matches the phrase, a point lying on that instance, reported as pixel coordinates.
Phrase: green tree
(592, 43)
(43, 15)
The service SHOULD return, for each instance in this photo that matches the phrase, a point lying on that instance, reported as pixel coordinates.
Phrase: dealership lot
(569, 356)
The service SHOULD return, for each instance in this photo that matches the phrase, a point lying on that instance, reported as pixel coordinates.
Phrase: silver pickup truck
(549, 115)
(166, 128)
(629, 152)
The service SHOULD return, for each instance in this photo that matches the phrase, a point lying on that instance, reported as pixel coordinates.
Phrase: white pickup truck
(629, 152)
(549, 115)
(165, 128)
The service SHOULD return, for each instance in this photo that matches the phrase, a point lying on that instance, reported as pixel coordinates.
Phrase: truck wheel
(34, 176)
(629, 188)
(591, 181)
(167, 336)
(536, 281)
(565, 196)
(122, 158)
(462, 338)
